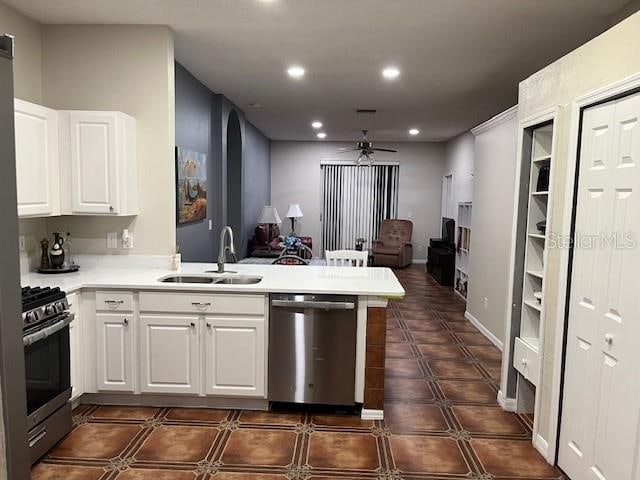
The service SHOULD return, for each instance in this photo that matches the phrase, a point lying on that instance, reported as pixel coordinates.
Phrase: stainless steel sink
(236, 280)
(244, 280)
(187, 279)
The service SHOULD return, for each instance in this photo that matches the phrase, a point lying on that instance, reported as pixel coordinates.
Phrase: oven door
(47, 365)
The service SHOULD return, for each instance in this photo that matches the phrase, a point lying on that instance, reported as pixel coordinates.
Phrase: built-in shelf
(463, 241)
(542, 159)
(533, 304)
(534, 208)
(533, 342)
(536, 273)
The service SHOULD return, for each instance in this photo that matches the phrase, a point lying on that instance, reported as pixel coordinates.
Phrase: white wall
(490, 253)
(604, 60)
(295, 178)
(27, 85)
(130, 69)
(459, 161)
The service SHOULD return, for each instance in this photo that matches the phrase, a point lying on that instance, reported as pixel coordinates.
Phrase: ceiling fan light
(316, 124)
(321, 135)
(414, 131)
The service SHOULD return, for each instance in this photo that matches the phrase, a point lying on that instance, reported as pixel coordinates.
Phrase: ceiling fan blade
(384, 150)
(347, 150)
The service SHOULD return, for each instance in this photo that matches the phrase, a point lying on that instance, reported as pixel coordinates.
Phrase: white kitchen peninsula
(138, 340)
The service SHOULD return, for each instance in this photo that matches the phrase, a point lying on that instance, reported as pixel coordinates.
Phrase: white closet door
(601, 403)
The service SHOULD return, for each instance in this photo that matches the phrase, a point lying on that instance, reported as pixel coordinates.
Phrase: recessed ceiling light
(390, 73)
(322, 135)
(414, 131)
(316, 125)
(295, 71)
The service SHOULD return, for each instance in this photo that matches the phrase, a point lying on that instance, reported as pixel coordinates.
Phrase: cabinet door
(235, 356)
(115, 351)
(37, 172)
(75, 347)
(93, 151)
(169, 351)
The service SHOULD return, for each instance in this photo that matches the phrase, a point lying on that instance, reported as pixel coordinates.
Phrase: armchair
(393, 248)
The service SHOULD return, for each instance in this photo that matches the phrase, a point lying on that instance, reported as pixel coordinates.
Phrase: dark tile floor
(442, 420)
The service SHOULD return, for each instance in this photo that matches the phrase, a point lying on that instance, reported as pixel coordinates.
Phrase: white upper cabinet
(98, 163)
(38, 180)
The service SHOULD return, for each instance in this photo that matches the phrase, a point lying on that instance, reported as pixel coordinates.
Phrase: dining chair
(346, 258)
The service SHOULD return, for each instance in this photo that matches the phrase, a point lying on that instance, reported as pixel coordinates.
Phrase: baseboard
(507, 404)
(368, 414)
(542, 446)
(476, 323)
(420, 261)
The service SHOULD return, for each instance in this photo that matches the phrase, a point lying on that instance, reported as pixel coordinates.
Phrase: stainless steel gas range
(46, 318)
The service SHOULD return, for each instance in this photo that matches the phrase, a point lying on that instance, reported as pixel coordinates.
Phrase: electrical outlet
(485, 302)
(22, 243)
(127, 239)
(409, 214)
(112, 239)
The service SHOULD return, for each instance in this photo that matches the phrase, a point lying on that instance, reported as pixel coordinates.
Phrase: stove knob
(50, 309)
(59, 307)
(31, 317)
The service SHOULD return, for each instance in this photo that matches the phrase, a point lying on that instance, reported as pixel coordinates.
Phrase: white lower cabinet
(169, 354)
(235, 356)
(114, 342)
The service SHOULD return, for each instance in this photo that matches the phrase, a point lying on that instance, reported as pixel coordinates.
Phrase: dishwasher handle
(322, 305)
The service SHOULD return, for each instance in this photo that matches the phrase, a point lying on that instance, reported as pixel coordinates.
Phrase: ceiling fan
(366, 150)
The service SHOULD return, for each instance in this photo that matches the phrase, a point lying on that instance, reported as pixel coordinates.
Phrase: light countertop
(372, 281)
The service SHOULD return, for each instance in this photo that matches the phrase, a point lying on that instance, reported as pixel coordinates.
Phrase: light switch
(22, 243)
(210, 224)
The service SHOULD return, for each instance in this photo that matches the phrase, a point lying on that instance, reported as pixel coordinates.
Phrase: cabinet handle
(608, 338)
(524, 361)
(200, 305)
(111, 208)
(208, 325)
(126, 322)
(193, 325)
(114, 302)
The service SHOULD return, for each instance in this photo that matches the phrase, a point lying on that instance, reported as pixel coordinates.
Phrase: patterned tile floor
(442, 421)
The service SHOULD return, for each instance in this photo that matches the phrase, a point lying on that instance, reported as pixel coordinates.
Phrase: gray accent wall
(194, 108)
(257, 178)
(202, 118)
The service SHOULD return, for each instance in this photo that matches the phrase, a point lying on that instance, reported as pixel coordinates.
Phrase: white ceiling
(461, 60)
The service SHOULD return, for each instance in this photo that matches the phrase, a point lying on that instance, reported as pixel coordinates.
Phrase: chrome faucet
(222, 254)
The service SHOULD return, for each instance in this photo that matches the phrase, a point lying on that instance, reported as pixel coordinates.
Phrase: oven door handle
(47, 331)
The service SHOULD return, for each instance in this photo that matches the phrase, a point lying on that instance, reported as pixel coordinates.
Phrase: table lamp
(269, 216)
(294, 212)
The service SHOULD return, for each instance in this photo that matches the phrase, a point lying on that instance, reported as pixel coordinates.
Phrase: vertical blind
(355, 200)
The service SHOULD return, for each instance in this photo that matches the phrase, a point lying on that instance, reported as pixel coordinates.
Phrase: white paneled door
(599, 438)
(170, 356)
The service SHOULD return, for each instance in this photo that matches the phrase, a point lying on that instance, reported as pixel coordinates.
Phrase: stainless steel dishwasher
(312, 349)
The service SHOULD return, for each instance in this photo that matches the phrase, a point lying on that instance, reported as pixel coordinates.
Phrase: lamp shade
(269, 215)
(294, 211)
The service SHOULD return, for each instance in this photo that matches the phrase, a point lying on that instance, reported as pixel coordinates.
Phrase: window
(355, 200)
